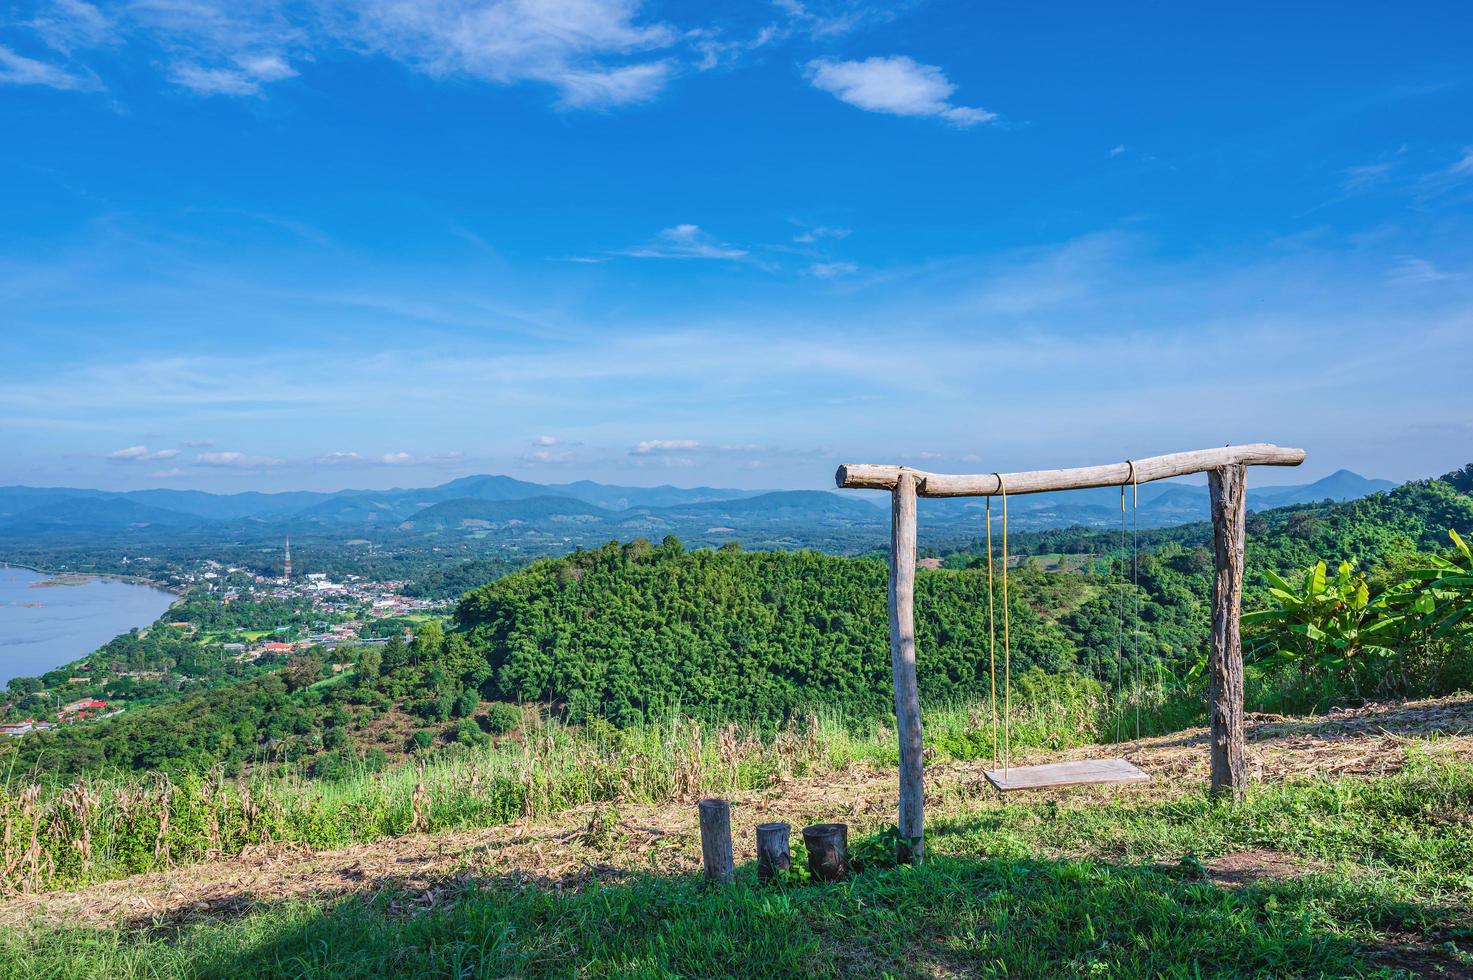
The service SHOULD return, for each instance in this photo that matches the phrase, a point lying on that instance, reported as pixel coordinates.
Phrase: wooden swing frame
(1226, 470)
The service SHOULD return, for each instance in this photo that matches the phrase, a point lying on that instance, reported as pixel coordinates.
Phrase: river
(43, 628)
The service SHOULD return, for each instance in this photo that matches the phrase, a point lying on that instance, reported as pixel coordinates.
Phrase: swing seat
(1056, 774)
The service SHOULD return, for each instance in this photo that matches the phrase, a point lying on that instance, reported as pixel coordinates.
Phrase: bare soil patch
(1252, 866)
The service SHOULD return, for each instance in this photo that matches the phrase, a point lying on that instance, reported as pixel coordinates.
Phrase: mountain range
(479, 505)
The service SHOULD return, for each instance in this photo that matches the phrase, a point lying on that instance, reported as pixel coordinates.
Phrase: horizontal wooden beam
(877, 477)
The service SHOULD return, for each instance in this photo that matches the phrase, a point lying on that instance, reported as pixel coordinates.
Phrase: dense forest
(632, 632)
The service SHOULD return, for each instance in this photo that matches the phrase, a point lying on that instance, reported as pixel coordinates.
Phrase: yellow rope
(991, 632)
(1007, 642)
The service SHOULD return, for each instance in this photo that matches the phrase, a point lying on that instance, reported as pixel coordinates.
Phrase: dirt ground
(606, 842)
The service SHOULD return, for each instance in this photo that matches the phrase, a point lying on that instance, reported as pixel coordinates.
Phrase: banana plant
(1322, 623)
(1442, 593)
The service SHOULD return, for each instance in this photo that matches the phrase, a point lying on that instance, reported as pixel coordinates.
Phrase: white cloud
(246, 78)
(545, 441)
(17, 69)
(1117, 150)
(244, 461)
(650, 447)
(832, 270)
(167, 474)
(142, 453)
(132, 452)
(684, 242)
(338, 458)
(895, 85)
(595, 53)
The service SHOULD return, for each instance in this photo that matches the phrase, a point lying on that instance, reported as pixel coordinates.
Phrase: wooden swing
(1054, 775)
(1226, 470)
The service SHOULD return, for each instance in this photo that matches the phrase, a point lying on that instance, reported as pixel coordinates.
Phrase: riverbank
(113, 576)
(45, 629)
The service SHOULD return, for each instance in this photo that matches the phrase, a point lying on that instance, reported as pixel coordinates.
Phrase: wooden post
(774, 852)
(828, 850)
(903, 661)
(1225, 663)
(716, 839)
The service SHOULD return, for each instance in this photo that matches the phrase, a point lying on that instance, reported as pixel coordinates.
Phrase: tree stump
(774, 854)
(716, 839)
(828, 850)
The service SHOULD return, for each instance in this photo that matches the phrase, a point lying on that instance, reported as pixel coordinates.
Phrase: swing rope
(991, 632)
(1119, 679)
(1135, 593)
(1007, 642)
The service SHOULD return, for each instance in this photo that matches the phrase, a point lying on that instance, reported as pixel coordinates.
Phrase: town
(229, 623)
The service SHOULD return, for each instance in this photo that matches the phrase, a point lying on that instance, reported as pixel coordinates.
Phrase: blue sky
(257, 245)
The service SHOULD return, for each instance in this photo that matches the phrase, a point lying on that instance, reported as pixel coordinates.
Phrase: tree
(302, 671)
(25, 685)
(366, 673)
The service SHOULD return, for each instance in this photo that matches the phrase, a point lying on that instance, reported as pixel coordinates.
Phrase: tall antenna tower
(286, 568)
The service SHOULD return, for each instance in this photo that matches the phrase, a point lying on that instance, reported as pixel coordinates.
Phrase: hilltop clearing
(1298, 763)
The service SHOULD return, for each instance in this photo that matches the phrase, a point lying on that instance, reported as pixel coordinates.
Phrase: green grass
(1013, 889)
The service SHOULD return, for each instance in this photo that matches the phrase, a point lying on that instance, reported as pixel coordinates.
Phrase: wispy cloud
(684, 242)
(593, 53)
(400, 458)
(69, 25)
(896, 85)
(17, 69)
(832, 270)
(245, 77)
(813, 233)
(1413, 271)
(1365, 176)
(831, 18)
(238, 460)
(141, 454)
(650, 447)
(1464, 165)
(548, 457)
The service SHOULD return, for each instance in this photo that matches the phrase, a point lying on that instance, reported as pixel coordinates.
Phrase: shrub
(502, 717)
(466, 704)
(469, 733)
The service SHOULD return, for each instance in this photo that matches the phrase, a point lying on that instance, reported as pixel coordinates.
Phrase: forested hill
(631, 632)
